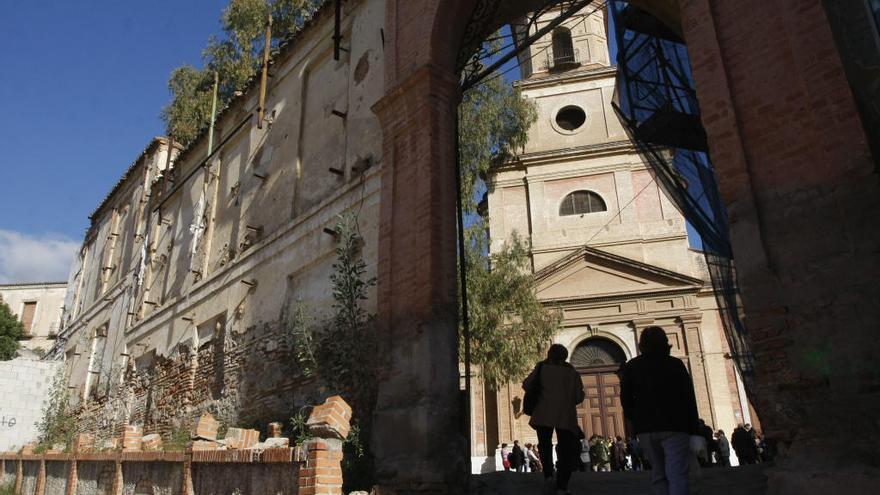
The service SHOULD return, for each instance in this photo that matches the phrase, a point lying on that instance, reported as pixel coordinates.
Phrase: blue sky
(81, 87)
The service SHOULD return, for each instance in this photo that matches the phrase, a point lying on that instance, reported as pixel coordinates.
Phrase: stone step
(749, 480)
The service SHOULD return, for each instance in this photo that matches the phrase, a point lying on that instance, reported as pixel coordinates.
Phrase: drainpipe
(213, 114)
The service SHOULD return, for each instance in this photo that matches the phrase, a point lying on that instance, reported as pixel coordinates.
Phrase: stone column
(418, 443)
(19, 475)
(690, 327)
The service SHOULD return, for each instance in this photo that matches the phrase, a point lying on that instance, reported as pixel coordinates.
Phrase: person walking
(635, 453)
(532, 459)
(618, 455)
(658, 399)
(744, 445)
(505, 456)
(560, 390)
(600, 454)
(517, 457)
(723, 451)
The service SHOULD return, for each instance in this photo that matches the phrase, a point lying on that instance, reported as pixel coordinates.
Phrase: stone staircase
(747, 480)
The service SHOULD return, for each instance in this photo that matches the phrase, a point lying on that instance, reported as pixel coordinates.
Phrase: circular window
(570, 117)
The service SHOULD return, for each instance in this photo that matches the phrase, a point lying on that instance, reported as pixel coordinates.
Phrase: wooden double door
(601, 413)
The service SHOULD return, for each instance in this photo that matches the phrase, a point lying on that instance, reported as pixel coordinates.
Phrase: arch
(581, 202)
(563, 47)
(597, 351)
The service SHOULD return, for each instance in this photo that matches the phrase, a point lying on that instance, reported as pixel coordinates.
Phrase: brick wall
(248, 378)
(313, 468)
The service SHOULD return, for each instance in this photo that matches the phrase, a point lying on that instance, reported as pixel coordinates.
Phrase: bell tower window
(581, 202)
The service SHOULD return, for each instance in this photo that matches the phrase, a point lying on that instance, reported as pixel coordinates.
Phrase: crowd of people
(660, 408)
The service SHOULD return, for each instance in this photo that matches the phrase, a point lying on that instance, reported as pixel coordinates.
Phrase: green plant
(299, 432)
(11, 330)
(178, 440)
(7, 488)
(58, 423)
(236, 56)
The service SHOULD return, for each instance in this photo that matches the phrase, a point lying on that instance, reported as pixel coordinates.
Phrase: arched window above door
(597, 352)
(580, 202)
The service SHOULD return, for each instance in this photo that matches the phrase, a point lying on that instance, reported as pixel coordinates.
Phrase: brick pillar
(416, 435)
(19, 475)
(329, 424)
(187, 488)
(40, 488)
(690, 327)
(72, 477)
(118, 482)
(803, 197)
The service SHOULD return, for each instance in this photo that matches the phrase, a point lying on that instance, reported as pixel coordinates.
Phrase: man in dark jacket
(658, 399)
(744, 445)
(517, 457)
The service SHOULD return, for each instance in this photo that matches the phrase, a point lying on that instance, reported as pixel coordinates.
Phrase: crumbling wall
(95, 478)
(30, 470)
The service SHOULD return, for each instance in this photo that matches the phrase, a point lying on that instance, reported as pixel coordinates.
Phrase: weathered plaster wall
(237, 241)
(47, 317)
(56, 476)
(24, 386)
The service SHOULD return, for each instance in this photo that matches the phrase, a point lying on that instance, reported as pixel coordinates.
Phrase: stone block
(207, 445)
(152, 442)
(275, 429)
(207, 427)
(132, 438)
(331, 419)
(276, 443)
(241, 438)
(83, 442)
(28, 449)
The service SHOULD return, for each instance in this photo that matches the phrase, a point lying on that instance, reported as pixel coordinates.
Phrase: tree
(11, 330)
(235, 56)
(509, 327)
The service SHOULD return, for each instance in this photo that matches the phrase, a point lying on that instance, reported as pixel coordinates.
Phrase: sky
(82, 84)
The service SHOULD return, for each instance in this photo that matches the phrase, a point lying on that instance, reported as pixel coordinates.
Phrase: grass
(7, 489)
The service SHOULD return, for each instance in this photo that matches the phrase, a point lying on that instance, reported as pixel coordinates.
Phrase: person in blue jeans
(657, 395)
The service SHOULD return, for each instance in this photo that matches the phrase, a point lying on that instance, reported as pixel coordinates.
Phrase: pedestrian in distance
(744, 445)
(618, 455)
(532, 459)
(517, 457)
(505, 456)
(723, 452)
(658, 399)
(559, 390)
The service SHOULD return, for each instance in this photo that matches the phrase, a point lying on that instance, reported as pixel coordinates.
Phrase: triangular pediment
(590, 272)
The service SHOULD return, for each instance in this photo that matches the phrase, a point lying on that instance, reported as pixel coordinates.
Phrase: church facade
(608, 247)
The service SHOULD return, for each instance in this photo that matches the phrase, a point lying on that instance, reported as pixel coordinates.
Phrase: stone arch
(600, 334)
(758, 165)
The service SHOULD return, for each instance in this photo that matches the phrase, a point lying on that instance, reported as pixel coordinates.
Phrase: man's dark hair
(557, 353)
(654, 341)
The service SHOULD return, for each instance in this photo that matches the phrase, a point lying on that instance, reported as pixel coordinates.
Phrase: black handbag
(533, 393)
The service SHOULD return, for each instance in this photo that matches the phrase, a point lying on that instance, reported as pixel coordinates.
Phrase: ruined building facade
(182, 288)
(608, 247)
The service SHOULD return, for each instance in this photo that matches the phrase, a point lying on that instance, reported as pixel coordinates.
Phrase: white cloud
(29, 258)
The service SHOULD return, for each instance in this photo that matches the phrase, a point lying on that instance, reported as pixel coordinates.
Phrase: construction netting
(656, 101)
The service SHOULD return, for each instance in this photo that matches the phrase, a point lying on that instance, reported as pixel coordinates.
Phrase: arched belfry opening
(564, 53)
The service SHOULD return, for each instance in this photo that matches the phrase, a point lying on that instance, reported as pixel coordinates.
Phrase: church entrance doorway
(598, 360)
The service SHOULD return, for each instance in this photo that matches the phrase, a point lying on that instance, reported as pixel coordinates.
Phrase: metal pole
(261, 110)
(462, 274)
(213, 114)
(337, 35)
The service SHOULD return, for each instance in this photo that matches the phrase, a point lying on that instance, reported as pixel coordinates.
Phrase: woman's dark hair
(654, 341)
(557, 353)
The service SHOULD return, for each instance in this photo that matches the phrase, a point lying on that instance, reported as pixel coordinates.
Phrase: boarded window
(27, 315)
(580, 202)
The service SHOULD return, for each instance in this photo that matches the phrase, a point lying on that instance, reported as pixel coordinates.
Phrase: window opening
(571, 117)
(580, 202)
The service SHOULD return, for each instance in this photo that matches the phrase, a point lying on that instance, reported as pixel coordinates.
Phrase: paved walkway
(748, 480)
